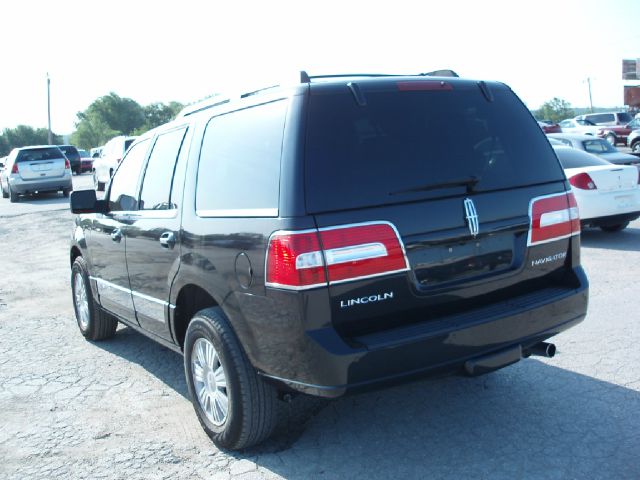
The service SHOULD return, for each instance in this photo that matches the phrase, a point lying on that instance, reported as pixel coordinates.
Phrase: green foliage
(112, 115)
(22, 136)
(555, 110)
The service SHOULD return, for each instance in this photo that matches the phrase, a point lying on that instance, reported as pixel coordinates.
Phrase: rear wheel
(615, 228)
(5, 194)
(236, 408)
(65, 192)
(635, 147)
(94, 324)
(13, 196)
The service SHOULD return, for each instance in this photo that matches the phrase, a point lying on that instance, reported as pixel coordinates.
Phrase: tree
(23, 136)
(122, 115)
(157, 114)
(91, 131)
(555, 110)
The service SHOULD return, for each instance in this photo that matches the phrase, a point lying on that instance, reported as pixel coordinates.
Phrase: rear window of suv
(405, 145)
(35, 154)
(70, 152)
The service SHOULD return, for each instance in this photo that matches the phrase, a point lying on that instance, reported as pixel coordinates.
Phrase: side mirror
(85, 201)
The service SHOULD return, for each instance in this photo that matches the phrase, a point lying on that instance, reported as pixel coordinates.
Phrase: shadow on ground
(530, 420)
(626, 240)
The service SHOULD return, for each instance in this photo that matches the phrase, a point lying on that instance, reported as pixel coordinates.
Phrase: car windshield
(35, 154)
(598, 146)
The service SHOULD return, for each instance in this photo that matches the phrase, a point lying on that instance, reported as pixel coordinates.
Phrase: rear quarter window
(359, 156)
(239, 169)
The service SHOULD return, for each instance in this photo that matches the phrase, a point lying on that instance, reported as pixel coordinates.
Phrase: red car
(618, 134)
(86, 162)
(549, 127)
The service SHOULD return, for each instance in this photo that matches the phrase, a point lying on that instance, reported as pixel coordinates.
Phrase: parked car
(581, 127)
(34, 169)
(72, 154)
(634, 142)
(606, 118)
(95, 152)
(608, 195)
(596, 146)
(234, 235)
(110, 157)
(86, 162)
(549, 127)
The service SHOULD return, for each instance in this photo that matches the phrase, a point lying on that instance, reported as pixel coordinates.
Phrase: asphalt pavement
(70, 408)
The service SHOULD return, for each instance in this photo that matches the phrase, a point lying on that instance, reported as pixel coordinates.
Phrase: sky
(187, 50)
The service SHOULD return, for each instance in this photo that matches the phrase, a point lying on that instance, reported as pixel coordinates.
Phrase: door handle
(116, 235)
(168, 240)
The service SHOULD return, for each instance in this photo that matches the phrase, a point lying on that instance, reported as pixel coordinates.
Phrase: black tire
(252, 403)
(5, 194)
(99, 325)
(635, 147)
(615, 228)
(611, 138)
(13, 196)
(65, 192)
(98, 186)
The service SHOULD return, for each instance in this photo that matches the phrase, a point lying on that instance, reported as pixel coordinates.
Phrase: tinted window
(624, 117)
(598, 146)
(410, 144)
(572, 158)
(601, 118)
(239, 170)
(70, 152)
(35, 154)
(123, 192)
(156, 186)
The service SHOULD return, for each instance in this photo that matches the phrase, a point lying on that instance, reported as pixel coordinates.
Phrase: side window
(122, 194)
(156, 186)
(239, 169)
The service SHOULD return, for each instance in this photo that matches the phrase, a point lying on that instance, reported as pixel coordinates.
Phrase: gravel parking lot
(119, 409)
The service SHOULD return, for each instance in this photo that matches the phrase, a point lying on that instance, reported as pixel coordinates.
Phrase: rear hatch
(453, 166)
(41, 163)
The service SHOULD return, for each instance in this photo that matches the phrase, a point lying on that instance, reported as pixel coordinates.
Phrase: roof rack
(202, 105)
(306, 78)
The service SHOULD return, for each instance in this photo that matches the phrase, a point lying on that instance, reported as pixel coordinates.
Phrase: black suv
(342, 233)
(73, 156)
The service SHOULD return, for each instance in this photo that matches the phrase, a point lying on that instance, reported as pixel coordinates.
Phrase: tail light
(14, 169)
(553, 217)
(583, 181)
(67, 165)
(321, 257)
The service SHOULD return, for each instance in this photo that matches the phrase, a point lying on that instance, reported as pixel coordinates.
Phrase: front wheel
(236, 408)
(97, 185)
(615, 228)
(611, 138)
(94, 324)
(635, 147)
(5, 194)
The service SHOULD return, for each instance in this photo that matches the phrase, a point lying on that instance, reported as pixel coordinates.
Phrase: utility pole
(49, 108)
(590, 100)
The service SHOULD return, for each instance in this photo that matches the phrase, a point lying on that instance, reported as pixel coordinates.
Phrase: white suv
(112, 153)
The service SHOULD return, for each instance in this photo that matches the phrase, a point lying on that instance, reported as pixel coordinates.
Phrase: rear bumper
(40, 185)
(329, 367)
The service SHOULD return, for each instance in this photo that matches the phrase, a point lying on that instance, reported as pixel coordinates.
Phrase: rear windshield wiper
(468, 182)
